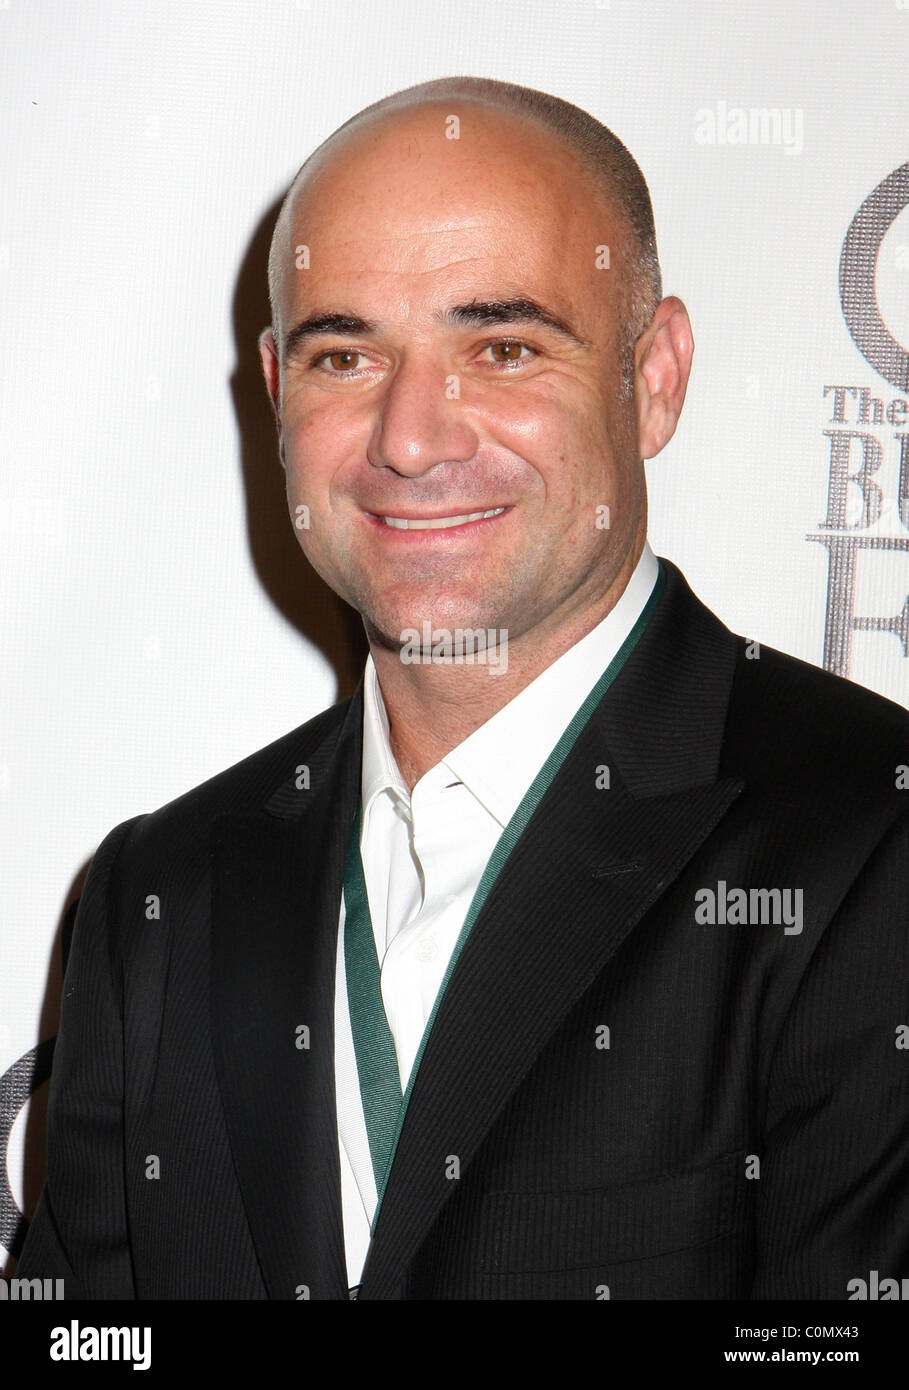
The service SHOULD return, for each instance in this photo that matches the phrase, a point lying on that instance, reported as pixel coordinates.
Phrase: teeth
(401, 523)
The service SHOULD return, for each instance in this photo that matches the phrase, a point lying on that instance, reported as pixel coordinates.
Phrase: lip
(466, 530)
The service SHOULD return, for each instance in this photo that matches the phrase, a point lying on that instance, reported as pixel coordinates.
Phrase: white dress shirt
(424, 854)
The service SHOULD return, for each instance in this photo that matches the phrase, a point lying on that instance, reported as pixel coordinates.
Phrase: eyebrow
(478, 313)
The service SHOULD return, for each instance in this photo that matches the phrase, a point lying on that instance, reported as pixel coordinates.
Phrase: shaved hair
(602, 155)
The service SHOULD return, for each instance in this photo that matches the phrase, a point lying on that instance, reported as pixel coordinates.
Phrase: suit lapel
(589, 866)
(276, 887)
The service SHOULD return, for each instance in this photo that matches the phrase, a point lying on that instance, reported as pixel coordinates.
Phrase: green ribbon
(377, 1066)
(377, 1061)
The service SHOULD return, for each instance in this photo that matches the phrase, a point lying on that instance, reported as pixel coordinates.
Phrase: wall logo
(868, 492)
(17, 1084)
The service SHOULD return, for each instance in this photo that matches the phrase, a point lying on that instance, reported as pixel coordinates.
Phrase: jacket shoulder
(795, 727)
(245, 787)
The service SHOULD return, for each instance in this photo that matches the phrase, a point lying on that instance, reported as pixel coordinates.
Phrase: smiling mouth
(437, 523)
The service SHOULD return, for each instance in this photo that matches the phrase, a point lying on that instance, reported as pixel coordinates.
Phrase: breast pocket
(680, 1235)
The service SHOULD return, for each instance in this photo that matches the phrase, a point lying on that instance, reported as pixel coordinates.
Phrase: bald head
(449, 366)
(541, 129)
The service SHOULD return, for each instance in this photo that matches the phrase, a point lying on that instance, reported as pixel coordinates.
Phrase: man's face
(421, 412)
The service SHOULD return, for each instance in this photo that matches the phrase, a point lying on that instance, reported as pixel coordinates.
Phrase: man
(567, 959)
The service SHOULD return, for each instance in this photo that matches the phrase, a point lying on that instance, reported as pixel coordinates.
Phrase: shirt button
(427, 950)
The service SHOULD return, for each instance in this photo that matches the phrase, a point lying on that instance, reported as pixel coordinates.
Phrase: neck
(432, 708)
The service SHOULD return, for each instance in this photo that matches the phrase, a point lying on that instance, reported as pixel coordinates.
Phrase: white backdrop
(158, 620)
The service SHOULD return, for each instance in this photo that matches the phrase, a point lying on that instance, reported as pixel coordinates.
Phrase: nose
(420, 421)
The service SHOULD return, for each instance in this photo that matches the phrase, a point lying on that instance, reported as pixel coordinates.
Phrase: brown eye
(343, 359)
(511, 351)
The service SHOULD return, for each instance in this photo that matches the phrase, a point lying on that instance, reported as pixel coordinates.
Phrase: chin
(438, 613)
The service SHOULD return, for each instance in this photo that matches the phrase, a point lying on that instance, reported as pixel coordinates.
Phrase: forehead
(400, 200)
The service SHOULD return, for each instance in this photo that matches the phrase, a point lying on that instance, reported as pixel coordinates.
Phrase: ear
(271, 370)
(662, 359)
(271, 367)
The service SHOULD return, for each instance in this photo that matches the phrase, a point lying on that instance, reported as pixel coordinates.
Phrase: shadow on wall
(301, 597)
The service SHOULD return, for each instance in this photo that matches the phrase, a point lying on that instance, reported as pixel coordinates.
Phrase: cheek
(555, 415)
(536, 413)
(313, 449)
(306, 430)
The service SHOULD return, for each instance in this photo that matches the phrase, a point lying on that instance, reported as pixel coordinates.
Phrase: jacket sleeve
(79, 1232)
(833, 1193)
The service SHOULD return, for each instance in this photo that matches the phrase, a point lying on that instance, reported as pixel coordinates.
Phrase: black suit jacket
(744, 1134)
